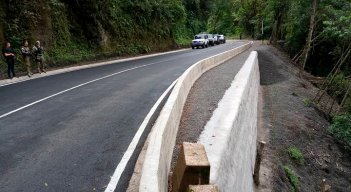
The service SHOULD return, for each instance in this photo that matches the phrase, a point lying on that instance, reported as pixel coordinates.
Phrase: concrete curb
(77, 68)
(230, 135)
(157, 162)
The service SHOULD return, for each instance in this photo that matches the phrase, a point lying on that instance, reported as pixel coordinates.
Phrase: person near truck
(38, 53)
(10, 58)
(27, 55)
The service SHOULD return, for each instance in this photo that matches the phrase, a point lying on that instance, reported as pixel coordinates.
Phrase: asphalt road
(73, 141)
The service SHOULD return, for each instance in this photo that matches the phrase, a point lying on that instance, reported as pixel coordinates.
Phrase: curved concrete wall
(157, 162)
(230, 135)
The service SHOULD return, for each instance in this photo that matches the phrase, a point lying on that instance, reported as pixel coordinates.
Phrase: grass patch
(294, 94)
(307, 102)
(183, 41)
(296, 155)
(71, 53)
(341, 129)
(294, 181)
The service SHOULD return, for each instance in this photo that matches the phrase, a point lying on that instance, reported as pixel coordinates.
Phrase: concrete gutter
(230, 135)
(157, 162)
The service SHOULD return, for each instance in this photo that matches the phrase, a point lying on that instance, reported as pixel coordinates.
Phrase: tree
(279, 9)
(310, 32)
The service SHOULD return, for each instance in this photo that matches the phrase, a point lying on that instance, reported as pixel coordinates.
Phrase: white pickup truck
(200, 40)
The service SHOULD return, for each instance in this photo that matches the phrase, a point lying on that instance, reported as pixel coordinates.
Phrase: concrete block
(192, 168)
(203, 188)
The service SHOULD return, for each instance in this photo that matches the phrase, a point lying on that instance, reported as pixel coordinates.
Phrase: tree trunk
(276, 28)
(342, 61)
(218, 12)
(310, 33)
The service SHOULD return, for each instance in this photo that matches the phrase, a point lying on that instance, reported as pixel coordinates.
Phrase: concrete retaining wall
(157, 162)
(230, 135)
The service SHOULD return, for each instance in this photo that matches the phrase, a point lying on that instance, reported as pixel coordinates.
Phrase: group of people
(36, 54)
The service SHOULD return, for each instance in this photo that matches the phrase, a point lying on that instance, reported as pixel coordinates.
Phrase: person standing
(38, 52)
(10, 58)
(26, 55)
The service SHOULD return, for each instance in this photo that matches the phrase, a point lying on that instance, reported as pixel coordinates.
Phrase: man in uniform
(10, 58)
(26, 55)
(38, 52)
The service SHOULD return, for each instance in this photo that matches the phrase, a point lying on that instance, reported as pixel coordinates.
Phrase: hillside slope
(79, 30)
(300, 152)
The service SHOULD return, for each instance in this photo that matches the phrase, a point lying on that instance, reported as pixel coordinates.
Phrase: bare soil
(289, 119)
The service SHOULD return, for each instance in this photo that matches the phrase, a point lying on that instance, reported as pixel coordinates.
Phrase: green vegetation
(339, 88)
(71, 53)
(341, 129)
(294, 94)
(109, 28)
(316, 34)
(296, 155)
(307, 102)
(294, 181)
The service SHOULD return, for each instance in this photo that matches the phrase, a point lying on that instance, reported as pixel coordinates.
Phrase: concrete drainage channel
(157, 161)
(229, 137)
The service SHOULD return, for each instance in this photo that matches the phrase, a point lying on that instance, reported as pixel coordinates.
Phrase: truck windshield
(199, 37)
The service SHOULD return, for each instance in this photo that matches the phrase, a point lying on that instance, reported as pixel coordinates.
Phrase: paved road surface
(73, 141)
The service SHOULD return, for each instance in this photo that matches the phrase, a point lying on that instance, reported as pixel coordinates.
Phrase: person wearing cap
(10, 58)
(38, 52)
(26, 55)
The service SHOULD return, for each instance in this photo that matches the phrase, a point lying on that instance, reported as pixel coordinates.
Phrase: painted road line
(75, 87)
(132, 146)
(88, 66)
(77, 68)
(80, 85)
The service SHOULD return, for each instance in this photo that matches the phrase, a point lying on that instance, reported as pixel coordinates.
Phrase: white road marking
(75, 87)
(5, 82)
(77, 68)
(131, 148)
(64, 91)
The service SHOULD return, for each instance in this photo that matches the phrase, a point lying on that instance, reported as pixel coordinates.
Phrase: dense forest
(84, 29)
(316, 34)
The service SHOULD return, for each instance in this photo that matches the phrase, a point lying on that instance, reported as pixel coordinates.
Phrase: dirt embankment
(290, 123)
